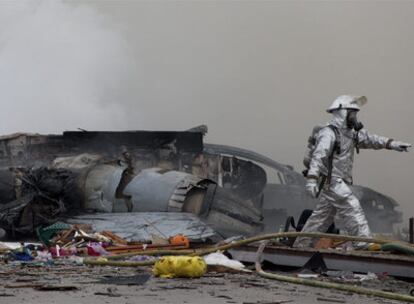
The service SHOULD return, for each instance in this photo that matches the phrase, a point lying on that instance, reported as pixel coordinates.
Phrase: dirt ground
(18, 285)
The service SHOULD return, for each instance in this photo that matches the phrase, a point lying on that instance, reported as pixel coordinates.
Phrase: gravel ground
(18, 285)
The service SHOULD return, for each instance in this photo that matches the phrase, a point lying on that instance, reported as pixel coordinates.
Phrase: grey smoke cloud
(259, 73)
(62, 66)
(262, 73)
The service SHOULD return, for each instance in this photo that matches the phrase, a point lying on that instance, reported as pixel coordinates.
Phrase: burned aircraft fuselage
(233, 190)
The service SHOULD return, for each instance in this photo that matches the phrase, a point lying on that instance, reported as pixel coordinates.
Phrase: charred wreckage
(156, 182)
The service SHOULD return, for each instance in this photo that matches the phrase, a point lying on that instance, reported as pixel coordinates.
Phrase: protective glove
(400, 146)
(312, 187)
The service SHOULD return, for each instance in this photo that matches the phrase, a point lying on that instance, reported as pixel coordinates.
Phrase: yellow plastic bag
(374, 247)
(180, 267)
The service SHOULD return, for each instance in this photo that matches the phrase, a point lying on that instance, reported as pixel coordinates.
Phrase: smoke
(259, 73)
(62, 66)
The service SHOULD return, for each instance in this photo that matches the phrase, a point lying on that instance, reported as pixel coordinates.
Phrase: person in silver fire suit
(336, 196)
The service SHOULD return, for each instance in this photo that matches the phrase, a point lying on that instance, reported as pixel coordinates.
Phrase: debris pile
(78, 245)
(168, 206)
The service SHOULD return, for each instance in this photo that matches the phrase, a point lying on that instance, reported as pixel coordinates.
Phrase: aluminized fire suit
(337, 197)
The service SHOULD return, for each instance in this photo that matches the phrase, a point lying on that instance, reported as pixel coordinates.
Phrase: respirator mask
(352, 121)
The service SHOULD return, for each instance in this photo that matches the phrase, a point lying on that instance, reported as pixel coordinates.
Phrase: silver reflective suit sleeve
(367, 140)
(325, 141)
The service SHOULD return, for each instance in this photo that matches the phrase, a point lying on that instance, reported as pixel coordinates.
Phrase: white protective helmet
(347, 102)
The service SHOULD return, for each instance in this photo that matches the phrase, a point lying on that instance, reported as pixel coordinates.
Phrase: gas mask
(352, 121)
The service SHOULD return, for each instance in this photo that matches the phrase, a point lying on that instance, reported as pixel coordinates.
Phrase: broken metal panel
(229, 226)
(244, 178)
(154, 190)
(179, 196)
(361, 262)
(100, 186)
(231, 215)
(291, 176)
(143, 225)
(227, 202)
(104, 141)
